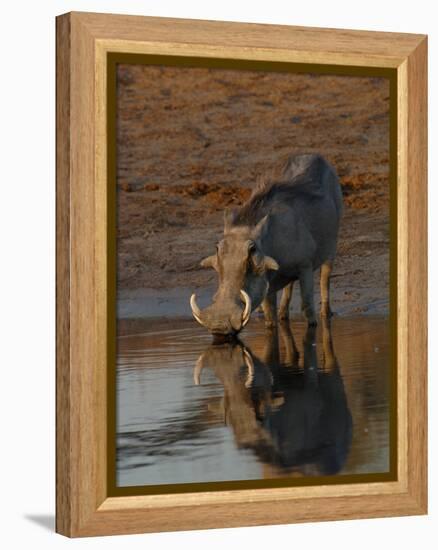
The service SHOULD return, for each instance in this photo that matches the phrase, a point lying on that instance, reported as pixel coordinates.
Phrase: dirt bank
(193, 142)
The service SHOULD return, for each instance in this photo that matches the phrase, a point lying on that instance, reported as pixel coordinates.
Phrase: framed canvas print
(241, 274)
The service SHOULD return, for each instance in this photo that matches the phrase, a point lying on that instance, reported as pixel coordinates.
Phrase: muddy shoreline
(173, 303)
(359, 285)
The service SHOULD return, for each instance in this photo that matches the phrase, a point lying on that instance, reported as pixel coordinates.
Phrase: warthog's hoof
(310, 318)
(326, 312)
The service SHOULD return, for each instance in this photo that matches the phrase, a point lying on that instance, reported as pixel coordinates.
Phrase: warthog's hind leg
(326, 270)
(269, 306)
(329, 359)
(286, 298)
(307, 301)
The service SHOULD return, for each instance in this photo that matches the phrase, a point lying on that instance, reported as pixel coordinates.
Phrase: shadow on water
(192, 411)
(290, 410)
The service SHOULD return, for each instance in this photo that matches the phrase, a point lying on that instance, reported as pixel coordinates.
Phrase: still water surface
(291, 403)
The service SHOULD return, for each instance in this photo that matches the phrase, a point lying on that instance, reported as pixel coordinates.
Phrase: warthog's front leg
(286, 297)
(326, 270)
(269, 306)
(307, 301)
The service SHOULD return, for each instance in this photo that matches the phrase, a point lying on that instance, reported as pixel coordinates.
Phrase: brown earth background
(194, 141)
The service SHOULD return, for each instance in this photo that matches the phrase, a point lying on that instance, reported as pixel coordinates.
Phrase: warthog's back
(304, 178)
(313, 176)
(304, 206)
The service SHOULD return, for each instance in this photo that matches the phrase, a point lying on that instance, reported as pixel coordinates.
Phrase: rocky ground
(192, 142)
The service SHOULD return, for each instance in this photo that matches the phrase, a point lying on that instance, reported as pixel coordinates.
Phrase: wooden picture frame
(84, 42)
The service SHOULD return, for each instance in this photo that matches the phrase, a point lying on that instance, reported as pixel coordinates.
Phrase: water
(292, 403)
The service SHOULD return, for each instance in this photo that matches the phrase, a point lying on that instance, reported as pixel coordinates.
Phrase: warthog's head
(243, 271)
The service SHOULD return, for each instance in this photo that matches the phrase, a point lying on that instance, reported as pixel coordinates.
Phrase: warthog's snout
(224, 328)
(223, 317)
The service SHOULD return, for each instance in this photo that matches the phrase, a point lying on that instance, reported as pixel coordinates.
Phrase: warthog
(285, 231)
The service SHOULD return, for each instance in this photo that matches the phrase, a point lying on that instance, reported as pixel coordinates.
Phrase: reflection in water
(189, 411)
(291, 411)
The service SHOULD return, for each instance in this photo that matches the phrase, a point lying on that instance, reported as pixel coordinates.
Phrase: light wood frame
(83, 506)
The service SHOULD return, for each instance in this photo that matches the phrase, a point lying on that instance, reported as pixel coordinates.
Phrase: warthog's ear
(229, 217)
(261, 228)
(270, 263)
(211, 261)
(260, 264)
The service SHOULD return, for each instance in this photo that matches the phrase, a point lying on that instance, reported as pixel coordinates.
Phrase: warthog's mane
(300, 177)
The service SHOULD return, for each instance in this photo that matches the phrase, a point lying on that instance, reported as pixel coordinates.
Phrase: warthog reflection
(291, 411)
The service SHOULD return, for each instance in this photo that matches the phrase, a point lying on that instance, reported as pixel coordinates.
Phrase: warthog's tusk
(247, 311)
(195, 310)
(197, 371)
(250, 364)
